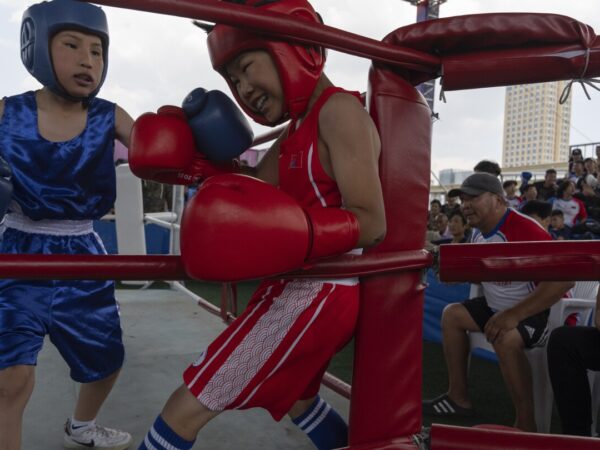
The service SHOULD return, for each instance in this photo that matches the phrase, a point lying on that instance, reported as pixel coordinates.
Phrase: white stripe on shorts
(258, 345)
(292, 347)
(256, 308)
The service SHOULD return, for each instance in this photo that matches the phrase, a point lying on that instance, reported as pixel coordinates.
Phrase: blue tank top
(73, 180)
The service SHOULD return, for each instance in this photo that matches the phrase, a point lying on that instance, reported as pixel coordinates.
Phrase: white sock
(78, 425)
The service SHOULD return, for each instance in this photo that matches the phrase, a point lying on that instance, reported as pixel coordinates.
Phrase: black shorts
(533, 330)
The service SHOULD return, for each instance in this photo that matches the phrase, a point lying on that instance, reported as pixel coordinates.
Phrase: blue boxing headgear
(42, 21)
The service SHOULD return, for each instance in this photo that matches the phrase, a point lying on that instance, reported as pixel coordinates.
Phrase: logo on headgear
(27, 43)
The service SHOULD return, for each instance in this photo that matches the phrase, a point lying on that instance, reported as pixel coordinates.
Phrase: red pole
(286, 27)
(521, 261)
(92, 267)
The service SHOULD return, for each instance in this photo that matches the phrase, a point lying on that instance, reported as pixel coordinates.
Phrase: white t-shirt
(513, 227)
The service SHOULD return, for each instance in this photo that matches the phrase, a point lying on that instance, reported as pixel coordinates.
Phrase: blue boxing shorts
(81, 317)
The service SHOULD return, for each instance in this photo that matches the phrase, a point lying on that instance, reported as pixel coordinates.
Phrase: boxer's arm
(123, 125)
(351, 154)
(236, 227)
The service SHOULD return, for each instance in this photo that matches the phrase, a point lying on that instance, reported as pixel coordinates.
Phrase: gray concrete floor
(163, 331)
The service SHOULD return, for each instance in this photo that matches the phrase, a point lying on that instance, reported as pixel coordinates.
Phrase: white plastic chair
(543, 396)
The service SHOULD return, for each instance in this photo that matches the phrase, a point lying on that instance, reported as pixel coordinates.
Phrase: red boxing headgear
(299, 67)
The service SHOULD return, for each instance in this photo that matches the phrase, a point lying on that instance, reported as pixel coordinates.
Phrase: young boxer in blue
(58, 142)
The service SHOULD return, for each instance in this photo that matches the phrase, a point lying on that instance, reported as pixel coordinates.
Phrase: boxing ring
(468, 52)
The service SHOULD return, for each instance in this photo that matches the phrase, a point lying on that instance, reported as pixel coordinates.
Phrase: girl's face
(77, 61)
(590, 166)
(256, 80)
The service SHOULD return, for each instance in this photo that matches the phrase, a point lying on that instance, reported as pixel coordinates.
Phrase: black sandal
(443, 406)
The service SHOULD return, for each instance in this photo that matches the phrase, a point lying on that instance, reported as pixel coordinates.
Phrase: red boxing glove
(162, 148)
(239, 228)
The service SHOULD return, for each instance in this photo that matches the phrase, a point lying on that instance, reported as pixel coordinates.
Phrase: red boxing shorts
(277, 351)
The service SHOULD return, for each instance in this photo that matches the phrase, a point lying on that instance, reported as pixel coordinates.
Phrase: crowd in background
(569, 207)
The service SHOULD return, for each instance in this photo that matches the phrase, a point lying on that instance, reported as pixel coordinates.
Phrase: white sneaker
(96, 437)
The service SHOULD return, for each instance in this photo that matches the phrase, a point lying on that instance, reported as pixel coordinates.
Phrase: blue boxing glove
(6, 187)
(221, 131)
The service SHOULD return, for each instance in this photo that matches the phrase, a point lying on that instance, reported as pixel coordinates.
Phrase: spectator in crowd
(558, 230)
(458, 228)
(528, 193)
(573, 209)
(547, 189)
(513, 315)
(431, 236)
(598, 153)
(156, 196)
(486, 166)
(451, 204)
(435, 208)
(590, 166)
(575, 155)
(510, 191)
(578, 172)
(572, 351)
(539, 211)
(589, 194)
(441, 222)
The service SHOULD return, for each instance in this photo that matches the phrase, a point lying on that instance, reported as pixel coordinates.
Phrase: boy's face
(557, 222)
(510, 189)
(256, 79)
(452, 201)
(550, 178)
(78, 63)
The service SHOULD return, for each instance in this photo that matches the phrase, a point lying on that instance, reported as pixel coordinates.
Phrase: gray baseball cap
(477, 184)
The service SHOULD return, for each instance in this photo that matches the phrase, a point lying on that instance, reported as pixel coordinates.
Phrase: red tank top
(301, 174)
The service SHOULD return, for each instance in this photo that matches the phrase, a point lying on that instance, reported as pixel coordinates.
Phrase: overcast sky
(157, 59)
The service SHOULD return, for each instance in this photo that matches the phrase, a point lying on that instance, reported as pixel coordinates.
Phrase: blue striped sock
(323, 425)
(161, 437)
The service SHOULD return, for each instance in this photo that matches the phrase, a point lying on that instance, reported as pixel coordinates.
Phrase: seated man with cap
(513, 315)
